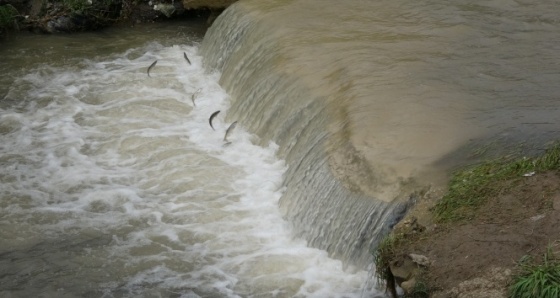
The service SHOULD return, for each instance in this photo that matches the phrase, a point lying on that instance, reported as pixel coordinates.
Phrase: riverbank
(48, 16)
(470, 240)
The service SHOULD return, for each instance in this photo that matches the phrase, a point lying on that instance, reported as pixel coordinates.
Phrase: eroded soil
(475, 258)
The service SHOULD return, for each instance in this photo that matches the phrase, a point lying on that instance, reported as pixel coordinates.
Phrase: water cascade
(369, 101)
(113, 183)
(345, 214)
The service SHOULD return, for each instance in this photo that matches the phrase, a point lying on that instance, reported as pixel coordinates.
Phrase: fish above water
(212, 117)
(194, 96)
(151, 66)
(187, 58)
(229, 130)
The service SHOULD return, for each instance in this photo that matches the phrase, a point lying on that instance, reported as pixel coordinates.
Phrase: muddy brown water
(114, 185)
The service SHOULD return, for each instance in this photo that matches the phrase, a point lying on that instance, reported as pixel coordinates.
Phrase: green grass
(471, 187)
(420, 290)
(7, 16)
(537, 280)
(383, 254)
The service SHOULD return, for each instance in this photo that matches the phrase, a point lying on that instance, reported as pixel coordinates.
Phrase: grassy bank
(470, 188)
(484, 211)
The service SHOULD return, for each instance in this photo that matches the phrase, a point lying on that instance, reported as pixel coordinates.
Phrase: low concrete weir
(371, 101)
(322, 202)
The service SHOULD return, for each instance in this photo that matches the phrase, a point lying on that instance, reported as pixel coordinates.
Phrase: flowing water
(113, 183)
(370, 100)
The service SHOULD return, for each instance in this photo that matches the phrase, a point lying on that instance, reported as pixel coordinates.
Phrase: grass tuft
(471, 187)
(537, 279)
(420, 290)
(7, 16)
(383, 254)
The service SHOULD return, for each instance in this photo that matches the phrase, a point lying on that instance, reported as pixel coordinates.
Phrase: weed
(420, 290)
(470, 188)
(537, 279)
(7, 16)
(385, 251)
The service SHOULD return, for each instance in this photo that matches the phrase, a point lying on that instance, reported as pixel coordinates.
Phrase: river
(113, 183)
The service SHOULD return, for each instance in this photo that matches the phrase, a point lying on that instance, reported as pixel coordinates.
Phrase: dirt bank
(476, 255)
(50, 16)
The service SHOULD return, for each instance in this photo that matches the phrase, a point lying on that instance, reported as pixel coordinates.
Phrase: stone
(212, 4)
(556, 201)
(406, 269)
(408, 285)
(420, 260)
(403, 268)
(165, 9)
(410, 226)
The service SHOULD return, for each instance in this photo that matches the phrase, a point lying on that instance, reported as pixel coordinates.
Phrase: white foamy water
(113, 184)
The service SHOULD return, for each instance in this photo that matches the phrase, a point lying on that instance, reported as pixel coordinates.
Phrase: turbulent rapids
(114, 185)
(120, 178)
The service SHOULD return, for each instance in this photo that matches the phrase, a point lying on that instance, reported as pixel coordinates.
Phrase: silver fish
(194, 96)
(151, 66)
(185, 54)
(212, 117)
(229, 130)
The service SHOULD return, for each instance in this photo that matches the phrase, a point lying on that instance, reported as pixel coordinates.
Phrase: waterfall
(305, 115)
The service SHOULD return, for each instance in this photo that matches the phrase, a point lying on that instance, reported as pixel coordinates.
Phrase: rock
(403, 268)
(410, 226)
(408, 285)
(61, 24)
(212, 4)
(165, 9)
(420, 260)
(406, 269)
(556, 201)
(537, 217)
(36, 6)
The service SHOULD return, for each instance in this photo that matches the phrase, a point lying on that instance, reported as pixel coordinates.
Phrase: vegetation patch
(420, 290)
(390, 252)
(385, 252)
(471, 187)
(491, 213)
(537, 279)
(8, 15)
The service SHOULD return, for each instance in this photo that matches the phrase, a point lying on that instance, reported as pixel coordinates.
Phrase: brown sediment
(476, 257)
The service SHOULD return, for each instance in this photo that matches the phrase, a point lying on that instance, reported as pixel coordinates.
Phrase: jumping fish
(194, 95)
(229, 130)
(151, 66)
(212, 117)
(185, 54)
